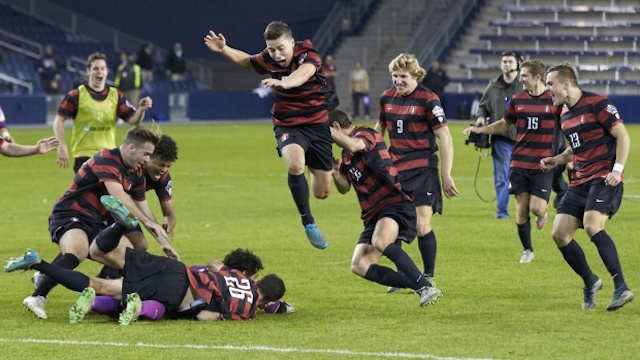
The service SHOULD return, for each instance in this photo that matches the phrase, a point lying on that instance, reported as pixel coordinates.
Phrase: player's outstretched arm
(217, 43)
(41, 147)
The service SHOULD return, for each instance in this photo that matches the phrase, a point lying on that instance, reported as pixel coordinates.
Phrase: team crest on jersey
(169, 187)
(302, 58)
(439, 113)
(582, 119)
(413, 110)
(613, 111)
(284, 137)
(546, 109)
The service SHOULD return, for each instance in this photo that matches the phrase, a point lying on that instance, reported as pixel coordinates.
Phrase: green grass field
(230, 191)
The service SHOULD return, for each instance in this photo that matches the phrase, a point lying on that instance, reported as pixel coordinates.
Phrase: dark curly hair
(271, 288)
(243, 260)
(166, 149)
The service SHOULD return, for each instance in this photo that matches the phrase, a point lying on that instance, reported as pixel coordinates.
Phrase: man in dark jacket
(492, 107)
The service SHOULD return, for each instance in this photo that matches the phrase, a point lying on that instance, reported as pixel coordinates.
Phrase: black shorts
(78, 163)
(534, 182)
(154, 278)
(314, 139)
(137, 228)
(403, 213)
(594, 195)
(424, 188)
(60, 223)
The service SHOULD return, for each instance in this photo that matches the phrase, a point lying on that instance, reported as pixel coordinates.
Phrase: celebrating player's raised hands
(215, 42)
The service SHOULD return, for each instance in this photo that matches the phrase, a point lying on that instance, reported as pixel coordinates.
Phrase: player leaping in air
(302, 100)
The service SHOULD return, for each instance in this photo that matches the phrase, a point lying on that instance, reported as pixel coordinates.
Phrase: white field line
(394, 355)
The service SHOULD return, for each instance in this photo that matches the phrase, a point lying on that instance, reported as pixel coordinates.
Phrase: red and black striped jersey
(84, 194)
(235, 295)
(372, 174)
(536, 120)
(162, 187)
(308, 104)
(68, 108)
(587, 127)
(410, 121)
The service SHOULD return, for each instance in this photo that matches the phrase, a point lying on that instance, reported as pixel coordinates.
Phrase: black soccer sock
(428, 250)
(609, 255)
(109, 238)
(66, 261)
(386, 276)
(300, 192)
(406, 266)
(68, 278)
(107, 272)
(524, 232)
(574, 256)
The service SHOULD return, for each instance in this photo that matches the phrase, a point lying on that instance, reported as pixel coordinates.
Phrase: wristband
(5, 134)
(618, 167)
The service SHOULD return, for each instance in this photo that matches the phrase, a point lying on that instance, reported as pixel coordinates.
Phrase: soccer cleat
(37, 279)
(24, 262)
(119, 211)
(589, 301)
(289, 308)
(82, 306)
(315, 236)
(621, 297)
(132, 311)
(527, 257)
(393, 289)
(36, 305)
(541, 221)
(428, 295)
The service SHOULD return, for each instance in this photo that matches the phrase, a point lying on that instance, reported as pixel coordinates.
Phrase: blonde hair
(407, 63)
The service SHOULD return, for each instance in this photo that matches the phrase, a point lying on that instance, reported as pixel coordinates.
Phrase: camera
(481, 141)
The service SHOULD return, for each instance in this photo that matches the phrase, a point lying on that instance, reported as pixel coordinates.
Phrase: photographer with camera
(535, 119)
(492, 105)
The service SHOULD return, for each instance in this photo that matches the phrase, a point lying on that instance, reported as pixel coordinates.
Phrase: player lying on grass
(220, 292)
(217, 293)
(155, 310)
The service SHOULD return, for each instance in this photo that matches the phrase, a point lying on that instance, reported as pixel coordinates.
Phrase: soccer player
(79, 216)
(219, 293)
(598, 144)
(302, 100)
(154, 310)
(157, 178)
(387, 212)
(493, 103)
(535, 117)
(413, 116)
(94, 109)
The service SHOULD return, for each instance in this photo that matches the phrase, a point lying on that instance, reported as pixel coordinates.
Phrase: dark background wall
(188, 21)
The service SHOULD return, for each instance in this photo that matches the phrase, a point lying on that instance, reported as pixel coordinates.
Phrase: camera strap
(481, 153)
